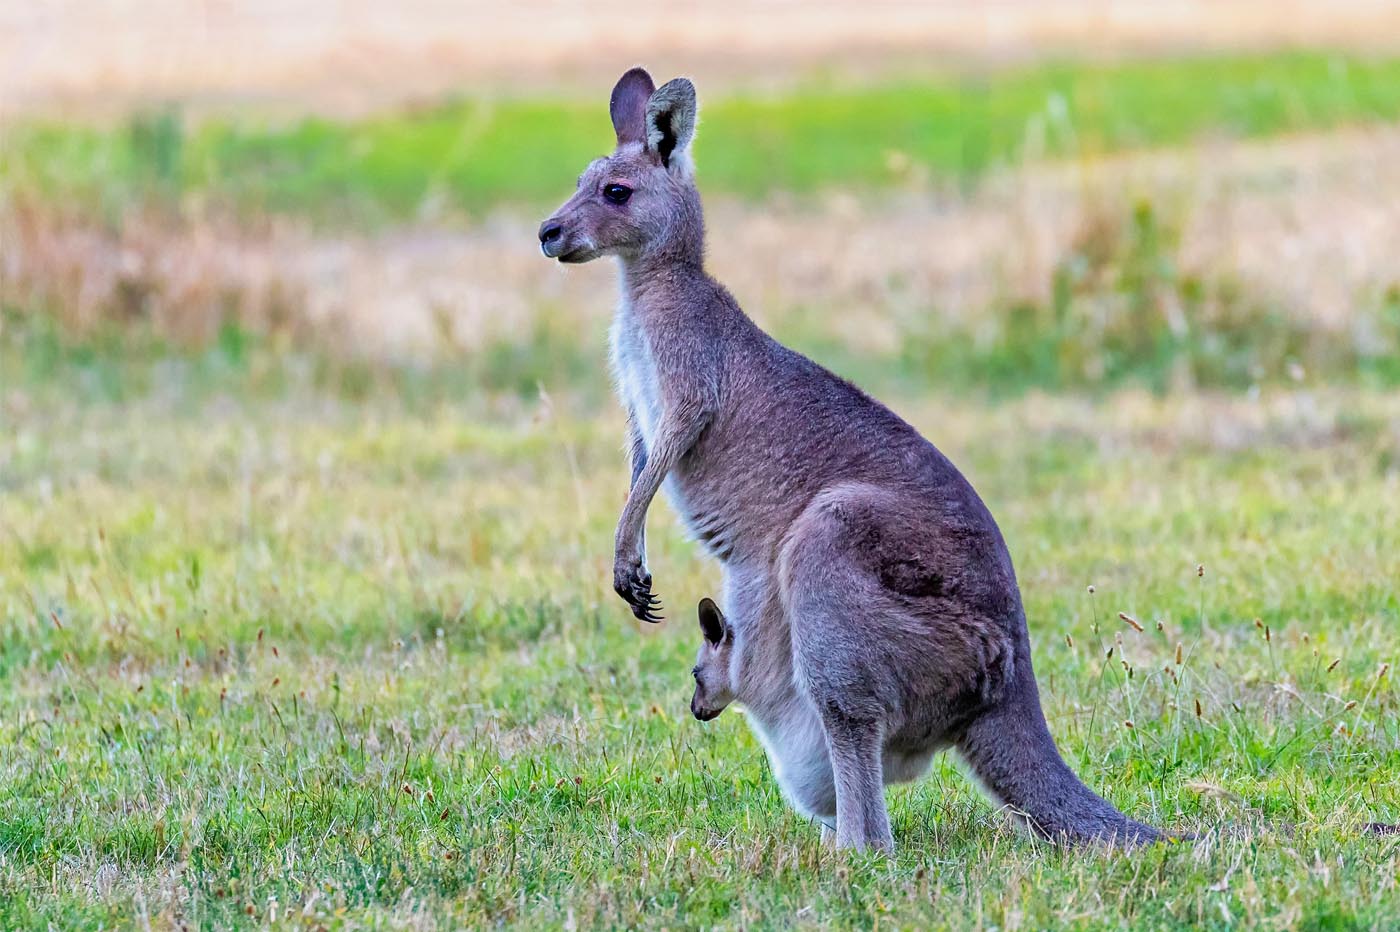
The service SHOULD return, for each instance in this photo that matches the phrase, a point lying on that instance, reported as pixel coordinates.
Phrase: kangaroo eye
(695, 672)
(616, 193)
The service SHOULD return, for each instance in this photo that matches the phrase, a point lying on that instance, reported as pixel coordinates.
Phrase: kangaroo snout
(570, 240)
(702, 713)
(551, 236)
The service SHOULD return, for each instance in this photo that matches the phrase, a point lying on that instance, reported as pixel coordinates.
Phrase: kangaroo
(786, 722)
(870, 602)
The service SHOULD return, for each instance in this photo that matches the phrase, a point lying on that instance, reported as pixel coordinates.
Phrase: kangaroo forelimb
(631, 579)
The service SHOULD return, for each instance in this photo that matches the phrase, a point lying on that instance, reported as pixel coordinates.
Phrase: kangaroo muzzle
(701, 713)
(551, 237)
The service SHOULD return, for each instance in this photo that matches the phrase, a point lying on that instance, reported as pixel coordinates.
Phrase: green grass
(476, 153)
(300, 640)
(279, 649)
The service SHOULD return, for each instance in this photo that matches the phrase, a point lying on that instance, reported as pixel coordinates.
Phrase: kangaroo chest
(634, 370)
(638, 382)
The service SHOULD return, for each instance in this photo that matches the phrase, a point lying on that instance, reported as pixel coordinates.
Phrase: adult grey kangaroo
(863, 576)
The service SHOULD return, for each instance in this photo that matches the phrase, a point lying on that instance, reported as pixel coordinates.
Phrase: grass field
(278, 654)
(301, 631)
(471, 155)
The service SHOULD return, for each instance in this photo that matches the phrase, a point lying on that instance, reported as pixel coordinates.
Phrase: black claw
(636, 591)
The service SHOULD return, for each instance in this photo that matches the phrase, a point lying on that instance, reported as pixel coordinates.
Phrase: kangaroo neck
(653, 284)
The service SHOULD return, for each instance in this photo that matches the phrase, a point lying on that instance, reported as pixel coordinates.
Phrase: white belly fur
(797, 752)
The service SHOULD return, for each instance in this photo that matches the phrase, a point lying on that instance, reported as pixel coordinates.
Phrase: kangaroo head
(712, 689)
(641, 200)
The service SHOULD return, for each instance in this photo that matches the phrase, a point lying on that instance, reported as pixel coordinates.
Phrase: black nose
(550, 231)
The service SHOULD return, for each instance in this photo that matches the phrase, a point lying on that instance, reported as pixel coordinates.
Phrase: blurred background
(997, 195)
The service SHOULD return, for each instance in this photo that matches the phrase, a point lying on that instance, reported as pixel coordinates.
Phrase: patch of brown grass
(1305, 227)
(181, 278)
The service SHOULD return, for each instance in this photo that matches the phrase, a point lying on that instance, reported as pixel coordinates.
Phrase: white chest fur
(634, 370)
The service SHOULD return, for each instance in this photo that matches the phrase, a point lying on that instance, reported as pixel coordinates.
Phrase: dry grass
(1304, 226)
(349, 55)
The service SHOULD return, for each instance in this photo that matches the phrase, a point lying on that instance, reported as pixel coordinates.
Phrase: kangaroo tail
(1010, 750)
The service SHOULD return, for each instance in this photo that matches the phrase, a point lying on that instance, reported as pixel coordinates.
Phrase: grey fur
(873, 615)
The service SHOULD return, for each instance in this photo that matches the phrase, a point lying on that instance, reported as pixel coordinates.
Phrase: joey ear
(671, 115)
(712, 623)
(628, 106)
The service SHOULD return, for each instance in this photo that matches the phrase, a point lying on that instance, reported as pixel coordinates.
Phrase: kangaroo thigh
(882, 625)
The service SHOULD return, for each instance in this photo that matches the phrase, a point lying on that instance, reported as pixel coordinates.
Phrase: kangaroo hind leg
(862, 821)
(842, 679)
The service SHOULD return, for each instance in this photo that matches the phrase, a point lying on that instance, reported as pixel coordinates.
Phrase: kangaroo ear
(628, 106)
(671, 115)
(712, 623)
